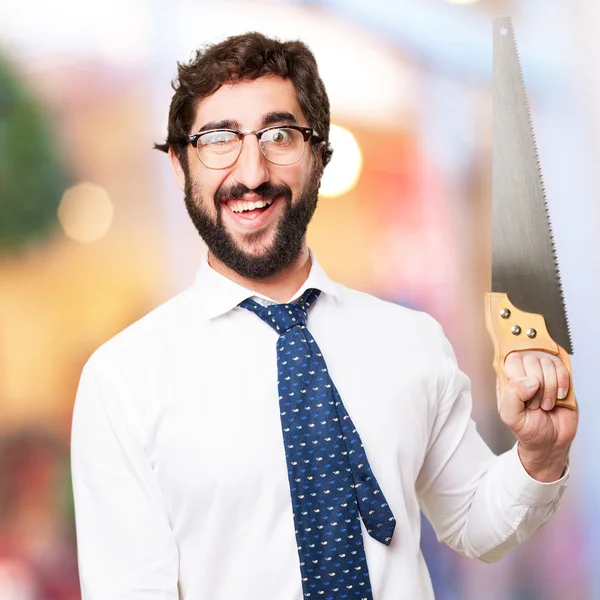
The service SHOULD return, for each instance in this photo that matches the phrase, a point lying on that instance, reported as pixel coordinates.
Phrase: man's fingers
(533, 368)
(563, 380)
(550, 383)
(547, 370)
(513, 366)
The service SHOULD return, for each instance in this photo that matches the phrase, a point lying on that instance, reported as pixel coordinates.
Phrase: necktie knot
(282, 317)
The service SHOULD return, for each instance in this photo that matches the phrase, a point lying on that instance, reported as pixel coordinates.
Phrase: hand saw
(525, 310)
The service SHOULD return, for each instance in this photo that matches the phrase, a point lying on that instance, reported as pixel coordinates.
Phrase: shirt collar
(218, 295)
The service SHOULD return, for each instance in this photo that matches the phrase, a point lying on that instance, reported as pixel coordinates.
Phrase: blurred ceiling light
(342, 173)
(85, 212)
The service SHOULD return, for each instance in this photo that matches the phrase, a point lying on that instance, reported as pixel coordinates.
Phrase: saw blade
(524, 264)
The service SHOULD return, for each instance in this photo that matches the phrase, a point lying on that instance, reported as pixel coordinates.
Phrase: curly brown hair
(242, 58)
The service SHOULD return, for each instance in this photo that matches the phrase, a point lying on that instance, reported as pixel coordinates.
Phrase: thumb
(519, 391)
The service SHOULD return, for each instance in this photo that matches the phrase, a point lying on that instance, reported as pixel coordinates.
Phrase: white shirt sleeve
(480, 504)
(126, 550)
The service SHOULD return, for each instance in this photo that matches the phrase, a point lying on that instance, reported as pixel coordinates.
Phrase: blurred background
(94, 232)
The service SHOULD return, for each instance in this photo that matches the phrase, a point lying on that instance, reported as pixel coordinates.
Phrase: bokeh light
(85, 212)
(342, 173)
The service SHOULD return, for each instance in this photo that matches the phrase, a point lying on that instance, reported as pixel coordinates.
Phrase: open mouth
(251, 213)
(245, 206)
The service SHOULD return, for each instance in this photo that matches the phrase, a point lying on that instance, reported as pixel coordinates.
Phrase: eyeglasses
(280, 145)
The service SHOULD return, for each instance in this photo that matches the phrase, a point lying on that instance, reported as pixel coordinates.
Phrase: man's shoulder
(374, 308)
(384, 323)
(148, 334)
(384, 318)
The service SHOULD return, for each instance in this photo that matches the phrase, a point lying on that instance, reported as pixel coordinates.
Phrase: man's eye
(217, 138)
(277, 136)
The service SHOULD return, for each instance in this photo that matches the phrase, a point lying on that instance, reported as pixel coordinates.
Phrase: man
(268, 433)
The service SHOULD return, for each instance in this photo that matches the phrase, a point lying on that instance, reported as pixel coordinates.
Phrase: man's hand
(544, 431)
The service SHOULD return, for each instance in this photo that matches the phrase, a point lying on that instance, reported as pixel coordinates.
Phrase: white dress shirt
(179, 473)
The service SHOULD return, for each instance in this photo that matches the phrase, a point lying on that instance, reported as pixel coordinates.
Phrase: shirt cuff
(523, 488)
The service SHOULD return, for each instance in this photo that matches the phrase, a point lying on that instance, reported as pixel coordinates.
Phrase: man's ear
(177, 170)
(320, 159)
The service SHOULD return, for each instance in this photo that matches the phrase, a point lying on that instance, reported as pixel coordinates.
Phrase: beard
(290, 231)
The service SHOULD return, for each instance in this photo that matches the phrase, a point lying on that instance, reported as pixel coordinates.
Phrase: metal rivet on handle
(531, 333)
(516, 330)
(505, 313)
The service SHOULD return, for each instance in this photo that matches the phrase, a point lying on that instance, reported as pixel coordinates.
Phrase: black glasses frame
(307, 133)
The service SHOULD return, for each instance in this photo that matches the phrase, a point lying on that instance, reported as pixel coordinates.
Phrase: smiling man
(269, 434)
(248, 219)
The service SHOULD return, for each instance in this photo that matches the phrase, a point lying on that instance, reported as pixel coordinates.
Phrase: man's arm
(126, 548)
(479, 504)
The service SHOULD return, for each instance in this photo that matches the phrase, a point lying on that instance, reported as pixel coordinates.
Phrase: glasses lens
(282, 146)
(218, 149)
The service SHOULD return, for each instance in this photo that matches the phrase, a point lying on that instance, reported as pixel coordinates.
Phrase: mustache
(265, 191)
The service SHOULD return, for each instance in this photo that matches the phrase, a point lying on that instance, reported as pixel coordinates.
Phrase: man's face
(260, 242)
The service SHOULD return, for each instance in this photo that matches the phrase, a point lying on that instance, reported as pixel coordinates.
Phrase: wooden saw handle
(513, 330)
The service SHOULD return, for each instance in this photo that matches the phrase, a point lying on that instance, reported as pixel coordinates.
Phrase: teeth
(242, 205)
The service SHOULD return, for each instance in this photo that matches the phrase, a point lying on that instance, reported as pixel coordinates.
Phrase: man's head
(249, 83)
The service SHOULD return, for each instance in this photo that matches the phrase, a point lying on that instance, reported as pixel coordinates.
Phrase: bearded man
(269, 434)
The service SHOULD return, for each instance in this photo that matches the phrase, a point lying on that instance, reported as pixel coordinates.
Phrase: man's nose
(251, 167)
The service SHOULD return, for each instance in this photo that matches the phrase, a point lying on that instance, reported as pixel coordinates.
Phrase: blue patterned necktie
(331, 482)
